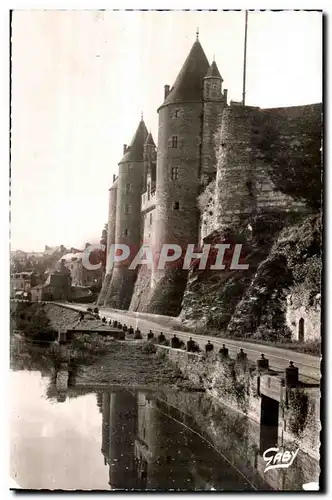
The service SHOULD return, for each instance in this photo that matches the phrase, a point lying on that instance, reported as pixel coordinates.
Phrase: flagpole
(245, 58)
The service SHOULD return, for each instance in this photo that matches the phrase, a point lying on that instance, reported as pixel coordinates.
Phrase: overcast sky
(80, 80)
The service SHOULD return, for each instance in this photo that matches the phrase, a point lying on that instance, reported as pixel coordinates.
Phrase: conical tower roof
(149, 140)
(135, 148)
(213, 71)
(188, 86)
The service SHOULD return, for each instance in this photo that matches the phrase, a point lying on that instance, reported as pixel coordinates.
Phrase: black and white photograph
(166, 222)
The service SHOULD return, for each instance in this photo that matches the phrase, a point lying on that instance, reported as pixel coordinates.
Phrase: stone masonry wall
(177, 214)
(236, 384)
(299, 308)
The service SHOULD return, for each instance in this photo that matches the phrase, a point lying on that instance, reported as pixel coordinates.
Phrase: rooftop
(188, 86)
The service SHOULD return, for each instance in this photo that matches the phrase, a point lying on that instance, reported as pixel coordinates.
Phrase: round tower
(110, 240)
(112, 200)
(179, 161)
(235, 182)
(128, 218)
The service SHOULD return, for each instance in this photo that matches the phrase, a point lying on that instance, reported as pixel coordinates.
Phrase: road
(309, 366)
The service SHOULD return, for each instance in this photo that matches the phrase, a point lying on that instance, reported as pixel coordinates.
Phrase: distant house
(80, 275)
(22, 282)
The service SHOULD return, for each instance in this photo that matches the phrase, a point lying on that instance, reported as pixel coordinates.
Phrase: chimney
(166, 91)
(124, 149)
(225, 95)
(114, 177)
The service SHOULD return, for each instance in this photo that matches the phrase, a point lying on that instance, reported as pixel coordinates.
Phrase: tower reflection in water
(138, 444)
(118, 438)
(147, 449)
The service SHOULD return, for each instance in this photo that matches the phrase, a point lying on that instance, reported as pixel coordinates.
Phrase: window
(175, 173)
(214, 89)
(129, 166)
(149, 192)
(128, 188)
(125, 232)
(177, 113)
(127, 209)
(176, 205)
(174, 141)
(150, 219)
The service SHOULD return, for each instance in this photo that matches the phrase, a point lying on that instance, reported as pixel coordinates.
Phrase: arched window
(301, 330)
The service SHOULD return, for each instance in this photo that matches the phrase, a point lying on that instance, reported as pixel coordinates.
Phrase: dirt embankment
(133, 363)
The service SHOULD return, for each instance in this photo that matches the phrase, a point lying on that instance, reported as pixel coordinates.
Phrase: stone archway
(301, 330)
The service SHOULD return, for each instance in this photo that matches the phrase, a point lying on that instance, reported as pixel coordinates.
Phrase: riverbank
(101, 360)
(134, 363)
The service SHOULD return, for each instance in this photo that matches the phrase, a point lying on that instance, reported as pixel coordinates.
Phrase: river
(105, 440)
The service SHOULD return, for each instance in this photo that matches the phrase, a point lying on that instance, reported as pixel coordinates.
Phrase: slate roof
(149, 140)
(135, 152)
(213, 71)
(188, 86)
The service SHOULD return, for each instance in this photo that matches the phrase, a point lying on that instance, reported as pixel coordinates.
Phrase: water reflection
(121, 439)
(147, 449)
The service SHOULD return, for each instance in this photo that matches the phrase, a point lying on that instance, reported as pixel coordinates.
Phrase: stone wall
(303, 317)
(142, 290)
(238, 385)
(243, 183)
(206, 204)
(238, 439)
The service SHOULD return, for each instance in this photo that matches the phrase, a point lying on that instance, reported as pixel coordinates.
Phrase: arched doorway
(301, 330)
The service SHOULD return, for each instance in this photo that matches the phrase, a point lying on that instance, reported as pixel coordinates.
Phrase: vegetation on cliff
(283, 253)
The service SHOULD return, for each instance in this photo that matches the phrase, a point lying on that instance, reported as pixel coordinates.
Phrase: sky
(80, 80)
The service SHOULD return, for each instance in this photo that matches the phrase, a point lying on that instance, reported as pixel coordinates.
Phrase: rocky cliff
(283, 253)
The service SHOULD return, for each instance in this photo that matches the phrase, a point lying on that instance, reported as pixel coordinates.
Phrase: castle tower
(149, 194)
(128, 218)
(214, 102)
(178, 172)
(110, 239)
(150, 164)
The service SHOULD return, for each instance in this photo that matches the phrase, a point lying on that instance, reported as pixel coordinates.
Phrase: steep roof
(135, 148)
(213, 71)
(188, 86)
(149, 140)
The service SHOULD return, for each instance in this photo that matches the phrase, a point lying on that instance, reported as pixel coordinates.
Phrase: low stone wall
(239, 386)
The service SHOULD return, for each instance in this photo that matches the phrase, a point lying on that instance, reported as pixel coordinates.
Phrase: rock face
(267, 301)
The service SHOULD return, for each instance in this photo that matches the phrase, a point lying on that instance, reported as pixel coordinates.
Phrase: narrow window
(127, 209)
(175, 173)
(177, 113)
(149, 192)
(150, 219)
(174, 141)
(129, 166)
(176, 205)
(125, 233)
(128, 188)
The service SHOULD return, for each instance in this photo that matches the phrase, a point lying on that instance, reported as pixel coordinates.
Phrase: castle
(204, 145)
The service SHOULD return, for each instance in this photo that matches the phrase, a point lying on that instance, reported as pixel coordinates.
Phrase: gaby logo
(277, 459)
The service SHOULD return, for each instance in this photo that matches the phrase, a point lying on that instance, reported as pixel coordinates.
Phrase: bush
(149, 348)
